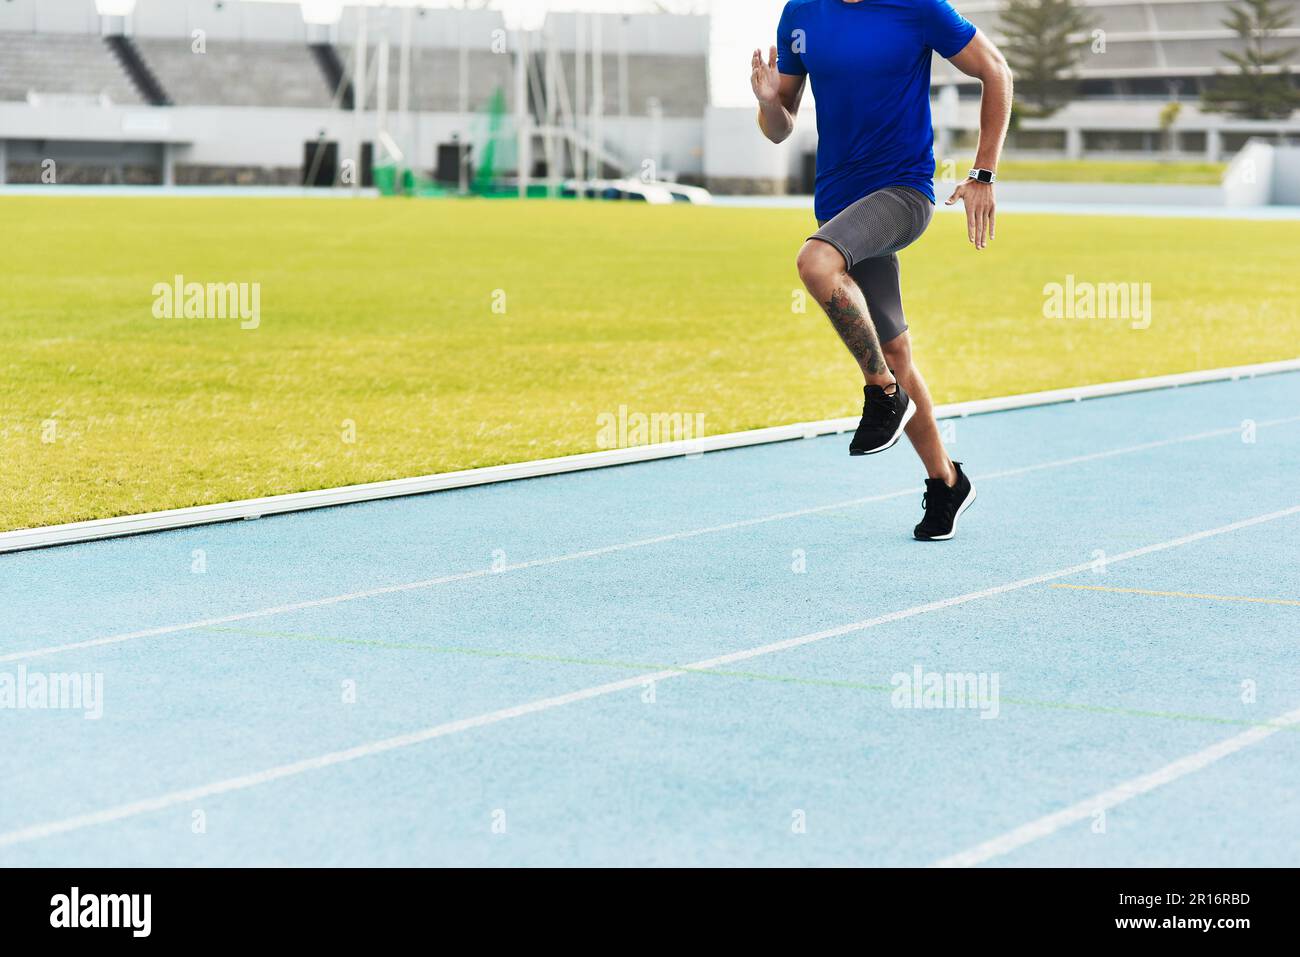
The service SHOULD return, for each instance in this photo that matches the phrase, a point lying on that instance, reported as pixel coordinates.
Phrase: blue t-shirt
(869, 63)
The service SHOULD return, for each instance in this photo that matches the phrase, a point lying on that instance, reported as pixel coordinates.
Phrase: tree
(1261, 89)
(1169, 114)
(1043, 47)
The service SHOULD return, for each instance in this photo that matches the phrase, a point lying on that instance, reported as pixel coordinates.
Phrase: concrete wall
(1286, 176)
(224, 21)
(1264, 174)
(739, 158)
(49, 16)
(1249, 181)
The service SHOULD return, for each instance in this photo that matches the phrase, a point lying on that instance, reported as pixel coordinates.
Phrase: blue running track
(698, 661)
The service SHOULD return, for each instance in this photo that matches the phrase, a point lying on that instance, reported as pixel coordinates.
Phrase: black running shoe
(943, 506)
(884, 417)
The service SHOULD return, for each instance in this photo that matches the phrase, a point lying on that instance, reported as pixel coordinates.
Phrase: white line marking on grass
(603, 550)
(122, 811)
(1051, 823)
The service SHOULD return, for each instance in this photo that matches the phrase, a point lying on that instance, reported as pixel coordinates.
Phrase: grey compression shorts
(869, 235)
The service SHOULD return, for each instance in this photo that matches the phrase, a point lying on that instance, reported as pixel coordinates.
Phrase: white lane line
(1051, 823)
(604, 550)
(174, 798)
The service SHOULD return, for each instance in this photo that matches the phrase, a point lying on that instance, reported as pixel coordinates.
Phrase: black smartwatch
(982, 175)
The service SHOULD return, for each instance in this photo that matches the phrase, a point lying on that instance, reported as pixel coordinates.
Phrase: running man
(869, 61)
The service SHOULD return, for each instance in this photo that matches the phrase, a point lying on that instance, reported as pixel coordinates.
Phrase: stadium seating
(435, 77)
(61, 65)
(680, 83)
(237, 73)
(1189, 16)
(1147, 49)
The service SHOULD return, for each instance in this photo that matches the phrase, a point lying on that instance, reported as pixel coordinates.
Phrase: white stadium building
(221, 92)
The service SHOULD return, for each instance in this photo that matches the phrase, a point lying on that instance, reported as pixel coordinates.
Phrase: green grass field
(380, 314)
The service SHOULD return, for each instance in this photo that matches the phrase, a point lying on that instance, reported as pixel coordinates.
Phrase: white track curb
(300, 501)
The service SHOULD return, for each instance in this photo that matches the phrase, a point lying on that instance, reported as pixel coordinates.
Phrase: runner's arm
(778, 96)
(984, 61)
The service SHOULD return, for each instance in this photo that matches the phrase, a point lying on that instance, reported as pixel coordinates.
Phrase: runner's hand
(978, 200)
(764, 77)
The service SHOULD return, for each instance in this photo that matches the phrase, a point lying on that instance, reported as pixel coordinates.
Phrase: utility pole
(523, 129)
(359, 98)
(404, 86)
(597, 92)
(462, 106)
(580, 100)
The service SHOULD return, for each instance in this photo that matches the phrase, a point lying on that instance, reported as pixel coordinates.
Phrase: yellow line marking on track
(1180, 594)
(187, 796)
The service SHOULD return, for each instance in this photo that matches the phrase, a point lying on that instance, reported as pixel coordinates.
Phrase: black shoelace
(878, 406)
(942, 506)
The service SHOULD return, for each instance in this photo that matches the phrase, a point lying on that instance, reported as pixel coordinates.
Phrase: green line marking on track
(725, 673)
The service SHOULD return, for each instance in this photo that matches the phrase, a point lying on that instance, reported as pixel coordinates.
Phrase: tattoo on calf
(857, 330)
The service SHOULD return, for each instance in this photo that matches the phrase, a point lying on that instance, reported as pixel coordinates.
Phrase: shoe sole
(898, 433)
(970, 500)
